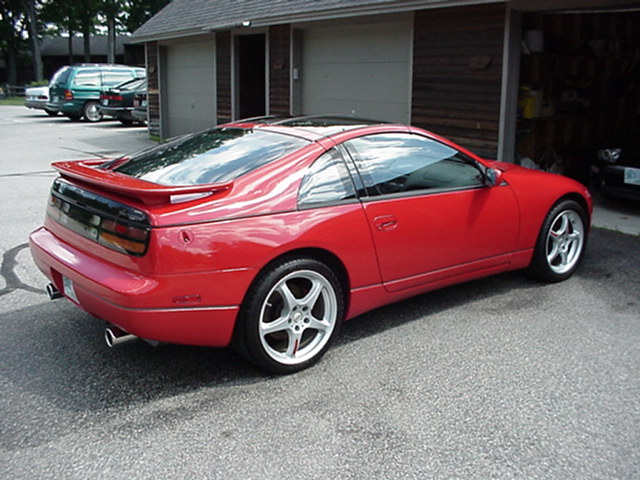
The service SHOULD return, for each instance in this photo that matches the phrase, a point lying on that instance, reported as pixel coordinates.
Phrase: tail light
(123, 237)
(112, 224)
(68, 95)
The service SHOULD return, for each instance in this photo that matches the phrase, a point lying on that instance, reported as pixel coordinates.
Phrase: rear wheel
(91, 112)
(561, 242)
(291, 313)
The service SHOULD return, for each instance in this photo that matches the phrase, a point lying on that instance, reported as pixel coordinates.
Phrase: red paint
(205, 252)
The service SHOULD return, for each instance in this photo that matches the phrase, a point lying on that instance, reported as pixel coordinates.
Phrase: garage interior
(579, 87)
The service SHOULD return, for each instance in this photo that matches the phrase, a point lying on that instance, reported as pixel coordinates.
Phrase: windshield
(214, 156)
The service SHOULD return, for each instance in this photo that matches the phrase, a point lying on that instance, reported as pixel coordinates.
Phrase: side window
(87, 78)
(115, 77)
(395, 162)
(327, 181)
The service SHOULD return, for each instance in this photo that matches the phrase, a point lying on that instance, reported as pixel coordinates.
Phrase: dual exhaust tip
(113, 335)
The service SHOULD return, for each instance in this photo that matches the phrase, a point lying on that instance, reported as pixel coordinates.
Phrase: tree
(34, 38)
(11, 28)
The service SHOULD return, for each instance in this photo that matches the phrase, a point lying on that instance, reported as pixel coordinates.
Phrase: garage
(189, 89)
(362, 69)
(579, 88)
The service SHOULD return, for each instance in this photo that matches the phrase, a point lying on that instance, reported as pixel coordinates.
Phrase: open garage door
(364, 69)
(190, 90)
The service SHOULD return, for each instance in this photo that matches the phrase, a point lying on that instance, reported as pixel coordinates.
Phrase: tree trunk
(111, 40)
(36, 57)
(71, 59)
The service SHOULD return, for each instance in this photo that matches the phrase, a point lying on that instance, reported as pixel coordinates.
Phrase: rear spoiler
(148, 193)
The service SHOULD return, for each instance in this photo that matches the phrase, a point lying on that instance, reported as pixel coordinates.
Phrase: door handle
(385, 222)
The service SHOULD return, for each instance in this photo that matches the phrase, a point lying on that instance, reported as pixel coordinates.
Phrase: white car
(37, 98)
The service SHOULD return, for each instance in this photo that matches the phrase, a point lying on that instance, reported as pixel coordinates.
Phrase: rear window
(214, 156)
(61, 76)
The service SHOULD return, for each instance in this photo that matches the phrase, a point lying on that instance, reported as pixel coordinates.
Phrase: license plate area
(68, 289)
(632, 176)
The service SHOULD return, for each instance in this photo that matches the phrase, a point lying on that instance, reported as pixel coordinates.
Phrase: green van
(75, 90)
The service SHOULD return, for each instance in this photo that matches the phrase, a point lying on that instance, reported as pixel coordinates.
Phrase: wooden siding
(279, 67)
(223, 80)
(457, 74)
(153, 88)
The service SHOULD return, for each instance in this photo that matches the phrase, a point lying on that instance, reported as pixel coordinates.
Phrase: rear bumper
(129, 300)
(66, 108)
(123, 113)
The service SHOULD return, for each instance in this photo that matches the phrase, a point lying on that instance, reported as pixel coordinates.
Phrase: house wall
(457, 74)
(153, 89)
(280, 70)
(436, 68)
(223, 79)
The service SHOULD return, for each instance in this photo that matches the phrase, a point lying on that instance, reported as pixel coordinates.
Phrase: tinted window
(328, 181)
(394, 163)
(87, 77)
(218, 155)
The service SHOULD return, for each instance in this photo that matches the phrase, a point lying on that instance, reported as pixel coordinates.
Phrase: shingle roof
(189, 17)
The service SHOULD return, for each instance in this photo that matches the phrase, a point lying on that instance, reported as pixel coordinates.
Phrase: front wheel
(91, 112)
(561, 243)
(291, 313)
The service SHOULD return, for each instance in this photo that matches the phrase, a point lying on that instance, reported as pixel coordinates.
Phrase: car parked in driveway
(75, 90)
(267, 233)
(140, 111)
(617, 171)
(37, 98)
(117, 101)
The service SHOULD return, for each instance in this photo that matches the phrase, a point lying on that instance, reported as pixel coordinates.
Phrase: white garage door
(190, 90)
(359, 69)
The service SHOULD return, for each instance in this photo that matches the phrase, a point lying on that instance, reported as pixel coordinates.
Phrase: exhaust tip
(52, 292)
(115, 336)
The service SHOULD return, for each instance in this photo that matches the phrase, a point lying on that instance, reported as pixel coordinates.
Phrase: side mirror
(492, 177)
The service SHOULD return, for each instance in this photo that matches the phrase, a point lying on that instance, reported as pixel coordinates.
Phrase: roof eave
(332, 14)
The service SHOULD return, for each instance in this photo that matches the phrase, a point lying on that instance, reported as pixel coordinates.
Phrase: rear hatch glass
(213, 156)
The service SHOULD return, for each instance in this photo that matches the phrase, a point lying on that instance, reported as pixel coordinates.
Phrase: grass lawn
(12, 101)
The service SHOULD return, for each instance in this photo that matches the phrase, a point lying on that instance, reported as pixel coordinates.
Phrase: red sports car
(267, 233)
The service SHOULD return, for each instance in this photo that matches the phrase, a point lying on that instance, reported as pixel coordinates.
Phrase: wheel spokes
(298, 317)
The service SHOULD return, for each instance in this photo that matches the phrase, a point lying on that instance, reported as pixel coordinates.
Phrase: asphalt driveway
(497, 378)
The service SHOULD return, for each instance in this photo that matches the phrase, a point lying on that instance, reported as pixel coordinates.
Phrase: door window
(397, 163)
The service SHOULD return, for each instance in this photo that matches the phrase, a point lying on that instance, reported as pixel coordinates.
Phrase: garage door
(359, 69)
(190, 92)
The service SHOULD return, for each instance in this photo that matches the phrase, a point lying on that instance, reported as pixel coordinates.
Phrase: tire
(126, 122)
(290, 315)
(91, 112)
(51, 113)
(561, 243)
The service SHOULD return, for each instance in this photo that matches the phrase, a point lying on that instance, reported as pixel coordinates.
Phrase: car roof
(310, 127)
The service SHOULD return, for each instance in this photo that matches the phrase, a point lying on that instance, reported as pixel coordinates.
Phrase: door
(189, 88)
(360, 69)
(430, 213)
(251, 69)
